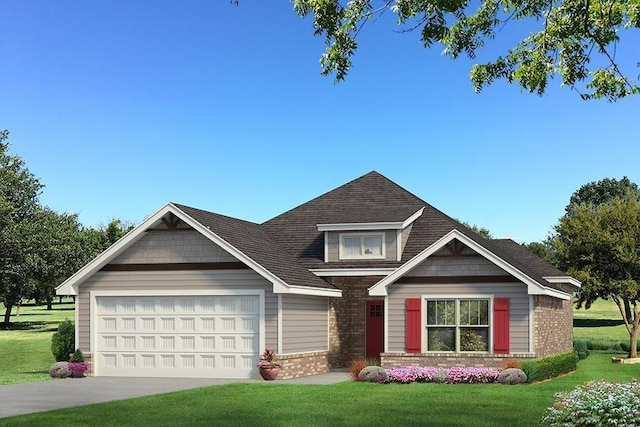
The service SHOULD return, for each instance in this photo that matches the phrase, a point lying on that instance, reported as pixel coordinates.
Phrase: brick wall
(553, 329)
(448, 360)
(304, 364)
(88, 357)
(347, 319)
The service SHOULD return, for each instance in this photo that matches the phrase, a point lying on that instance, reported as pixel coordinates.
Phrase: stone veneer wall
(303, 364)
(347, 319)
(553, 330)
(448, 360)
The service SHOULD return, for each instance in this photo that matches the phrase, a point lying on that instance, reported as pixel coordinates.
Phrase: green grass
(25, 348)
(344, 404)
(601, 322)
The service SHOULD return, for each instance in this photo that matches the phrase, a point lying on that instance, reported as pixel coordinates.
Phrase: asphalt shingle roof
(290, 244)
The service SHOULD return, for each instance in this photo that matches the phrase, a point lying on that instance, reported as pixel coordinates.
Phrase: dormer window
(362, 246)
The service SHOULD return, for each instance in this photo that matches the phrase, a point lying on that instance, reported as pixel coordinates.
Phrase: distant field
(602, 321)
(25, 349)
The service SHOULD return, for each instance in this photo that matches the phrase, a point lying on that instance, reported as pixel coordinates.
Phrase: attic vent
(171, 221)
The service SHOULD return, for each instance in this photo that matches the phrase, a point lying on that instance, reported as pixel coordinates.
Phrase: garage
(205, 336)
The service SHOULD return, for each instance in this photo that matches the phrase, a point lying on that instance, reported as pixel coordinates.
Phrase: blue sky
(119, 107)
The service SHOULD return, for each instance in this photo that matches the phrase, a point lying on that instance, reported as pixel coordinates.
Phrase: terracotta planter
(269, 374)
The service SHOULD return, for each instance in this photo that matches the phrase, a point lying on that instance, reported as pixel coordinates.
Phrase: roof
(288, 247)
(253, 241)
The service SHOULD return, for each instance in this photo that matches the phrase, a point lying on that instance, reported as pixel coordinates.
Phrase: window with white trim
(459, 325)
(359, 246)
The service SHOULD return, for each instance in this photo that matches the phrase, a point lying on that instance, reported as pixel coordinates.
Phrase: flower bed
(456, 375)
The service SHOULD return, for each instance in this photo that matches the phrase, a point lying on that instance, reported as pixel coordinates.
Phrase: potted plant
(268, 365)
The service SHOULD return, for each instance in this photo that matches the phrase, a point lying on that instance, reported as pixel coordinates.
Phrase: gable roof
(242, 239)
(534, 287)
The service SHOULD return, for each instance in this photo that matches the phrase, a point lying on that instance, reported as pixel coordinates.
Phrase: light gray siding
(173, 247)
(333, 239)
(518, 308)
(305, 323)
(457, 266)
(176, 281)
(404, 236)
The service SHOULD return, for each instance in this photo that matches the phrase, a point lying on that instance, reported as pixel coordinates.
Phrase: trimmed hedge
(581, 348)
(550, 366)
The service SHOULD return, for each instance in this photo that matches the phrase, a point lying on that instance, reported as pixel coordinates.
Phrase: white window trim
(457, 298)
(362, 236)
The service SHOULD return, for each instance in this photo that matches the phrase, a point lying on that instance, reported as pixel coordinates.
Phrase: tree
(599, 192)
(484, 232)
(544, 250)
(62, 248)
(19, 191)
(576, 39)
(600, 245)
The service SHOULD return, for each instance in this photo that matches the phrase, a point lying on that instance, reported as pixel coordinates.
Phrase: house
(365, 270)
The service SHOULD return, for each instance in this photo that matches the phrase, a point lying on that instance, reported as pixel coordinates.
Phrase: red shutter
(501, 325)
(413, 325)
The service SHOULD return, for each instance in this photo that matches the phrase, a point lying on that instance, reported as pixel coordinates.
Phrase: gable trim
(533, 286)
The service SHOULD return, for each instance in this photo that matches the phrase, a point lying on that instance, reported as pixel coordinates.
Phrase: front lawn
(602, 322)
(345, 404)
(25, 348)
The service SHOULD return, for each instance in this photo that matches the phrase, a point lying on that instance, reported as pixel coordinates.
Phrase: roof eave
(563, 280)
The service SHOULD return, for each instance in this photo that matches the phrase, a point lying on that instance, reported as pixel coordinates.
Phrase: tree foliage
(597, 193)
(575, 39)
(600, 246)
(19, 191)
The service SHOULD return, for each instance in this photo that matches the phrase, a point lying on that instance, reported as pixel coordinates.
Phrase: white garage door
(186, 336)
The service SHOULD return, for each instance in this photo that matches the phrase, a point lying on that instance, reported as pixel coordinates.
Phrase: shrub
(60, 370)
(581, 348)
(550, 366)
(77, 356)
(374, 374)
(77, 369)
(512, 376)
(510, 363)
(63, 342)
(596, 404)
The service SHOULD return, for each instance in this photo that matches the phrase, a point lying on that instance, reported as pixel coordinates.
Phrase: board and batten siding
(305, 323)
(173, 247)
(333, 242)
(518, 308)
(193, 280)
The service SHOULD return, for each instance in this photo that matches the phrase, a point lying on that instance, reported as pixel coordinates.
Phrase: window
(458, 325)
(356, 246)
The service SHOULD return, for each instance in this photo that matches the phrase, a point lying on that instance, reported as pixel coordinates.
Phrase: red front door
(375, 329)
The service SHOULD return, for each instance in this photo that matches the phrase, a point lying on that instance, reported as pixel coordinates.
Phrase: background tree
(63, 247)
(575, 39)
(600, 246)
(484, 232)
(599, 192)
(19, 191)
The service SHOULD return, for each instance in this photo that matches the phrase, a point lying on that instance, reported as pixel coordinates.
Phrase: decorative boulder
(373, 374)
(60, 370)
(512, 376)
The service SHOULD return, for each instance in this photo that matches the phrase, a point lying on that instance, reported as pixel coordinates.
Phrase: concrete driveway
(27, 398)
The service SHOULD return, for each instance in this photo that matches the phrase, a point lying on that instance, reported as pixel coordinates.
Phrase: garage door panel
(199, 336)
